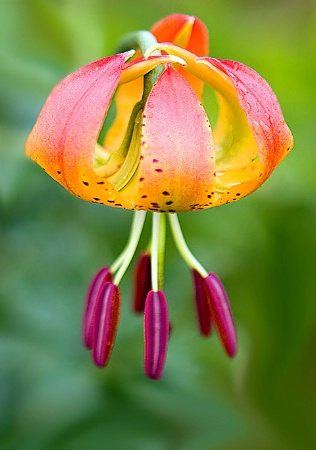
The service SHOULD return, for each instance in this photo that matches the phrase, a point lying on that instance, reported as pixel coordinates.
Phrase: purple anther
(101, 277)
(156, 333)
(202, 303)
(106, 317)
(142, 282)
(221, 314)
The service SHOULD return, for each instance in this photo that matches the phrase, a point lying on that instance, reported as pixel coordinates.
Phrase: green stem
(123, 261)
(183, 248)
(142, 40)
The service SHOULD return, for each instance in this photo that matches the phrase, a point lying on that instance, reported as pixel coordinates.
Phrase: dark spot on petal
(110, 201)
(118, 204)
(155, 160)
(166, 193)
(158, 170)
(100, 182)
(169, 203)
(85, 183)
(59, 172)
(144, 196)
(96, 199)
(172, 210)
(141, 179)
(238, 194)
(142, 157)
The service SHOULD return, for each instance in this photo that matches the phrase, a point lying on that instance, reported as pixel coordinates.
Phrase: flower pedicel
(161, 155)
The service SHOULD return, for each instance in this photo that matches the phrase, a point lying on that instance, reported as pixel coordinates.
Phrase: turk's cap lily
(161, 153)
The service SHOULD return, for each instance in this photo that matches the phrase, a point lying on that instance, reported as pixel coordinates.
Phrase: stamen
(142, 282)
(221, 314)
(156, 334)
(106, 317)
(184, 250)
(100, 278)
(202, 303)
(123, 261)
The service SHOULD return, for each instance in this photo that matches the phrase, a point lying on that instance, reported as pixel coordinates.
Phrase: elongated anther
(221, 313)
(106, 317)
(101, 277)
(142, 282)
(156, 333)
(202, 303)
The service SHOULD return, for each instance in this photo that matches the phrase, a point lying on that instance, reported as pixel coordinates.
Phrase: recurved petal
(64, 137)
(176, 169)
(187, 32)
(251, 135)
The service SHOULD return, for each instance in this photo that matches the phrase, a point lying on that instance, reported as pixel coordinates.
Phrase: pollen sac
(202, 303)
(106, 317)
(100, 278)
(156, 333)
(221, 313)
(142, 282)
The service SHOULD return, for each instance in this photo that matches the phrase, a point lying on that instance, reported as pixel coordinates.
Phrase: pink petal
(67, 129)
(202, 304)
(101, 277)
(178, 158)
(263, 112)
(221, 313)
(264, 116)
(106, 317)
(156, 333)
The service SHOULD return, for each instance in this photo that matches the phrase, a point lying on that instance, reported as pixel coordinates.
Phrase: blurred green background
(263, 247)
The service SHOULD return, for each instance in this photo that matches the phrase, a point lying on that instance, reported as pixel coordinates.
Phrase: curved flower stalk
(160, 154)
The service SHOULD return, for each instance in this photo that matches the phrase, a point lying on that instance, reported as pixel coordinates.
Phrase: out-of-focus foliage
(263, 247)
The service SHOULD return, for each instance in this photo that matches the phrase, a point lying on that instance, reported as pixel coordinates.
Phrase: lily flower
(159, 154)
